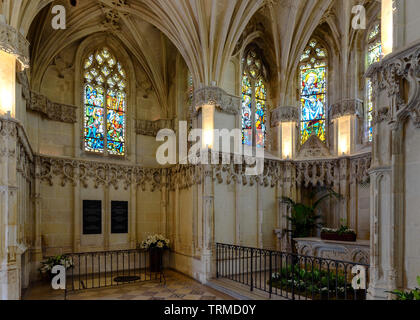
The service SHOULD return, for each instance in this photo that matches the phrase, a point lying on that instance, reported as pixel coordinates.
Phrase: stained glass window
(374, 54)
(313, 91)
(105, 104)
(254, 99)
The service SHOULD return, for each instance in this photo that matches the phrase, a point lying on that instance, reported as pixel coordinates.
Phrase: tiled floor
(178, 287)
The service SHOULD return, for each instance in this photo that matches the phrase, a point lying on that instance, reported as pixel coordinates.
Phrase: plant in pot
(304, 219)
(155, 244)
(51, 262)
(344, 233)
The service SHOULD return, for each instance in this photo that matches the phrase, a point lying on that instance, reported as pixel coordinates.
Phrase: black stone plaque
(92, 217)
(119, 217)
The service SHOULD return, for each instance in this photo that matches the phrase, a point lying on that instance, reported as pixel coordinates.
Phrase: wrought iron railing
(292, 276)
(93, 270)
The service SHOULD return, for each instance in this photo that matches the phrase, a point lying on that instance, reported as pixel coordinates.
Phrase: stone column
(208, 225)
(9, 267)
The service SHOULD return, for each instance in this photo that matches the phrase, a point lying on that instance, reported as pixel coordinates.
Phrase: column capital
(217, 97)
(13, 42)
(346, 107)
(284, 114)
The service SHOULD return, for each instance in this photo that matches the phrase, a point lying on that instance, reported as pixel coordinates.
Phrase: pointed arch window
(373, 55)
(313, 91)
(105, 104)
(254, 100)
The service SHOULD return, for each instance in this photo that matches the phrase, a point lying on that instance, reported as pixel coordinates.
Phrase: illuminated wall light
(287, 140)
(387, 26)
(7, 83)
(207, 114)
(344, 135)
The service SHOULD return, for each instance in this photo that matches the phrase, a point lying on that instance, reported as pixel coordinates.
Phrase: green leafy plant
(408, 295)
(304, 218)
(317, 282)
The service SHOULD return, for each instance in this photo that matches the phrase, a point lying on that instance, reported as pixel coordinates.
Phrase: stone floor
(178, 287)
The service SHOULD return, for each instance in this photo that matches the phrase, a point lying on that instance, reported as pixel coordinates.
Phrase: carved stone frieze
(216, 96)
(151, 128)
(52, 110)
(13, 42)
(346, 107)
(284, 114)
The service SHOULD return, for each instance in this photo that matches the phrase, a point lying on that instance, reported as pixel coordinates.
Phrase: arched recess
(90, 44)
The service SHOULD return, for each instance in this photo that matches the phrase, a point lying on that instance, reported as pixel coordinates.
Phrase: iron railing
(93, 270)
(292, 276)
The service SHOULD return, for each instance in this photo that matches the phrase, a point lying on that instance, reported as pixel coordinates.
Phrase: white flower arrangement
(155, 241)
(48, 265)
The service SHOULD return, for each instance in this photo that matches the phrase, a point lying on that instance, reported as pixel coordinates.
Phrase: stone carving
(284, 114)
(313, 148)
(14, 43)
(395, 72)
(52, 110)
(216, 96)
(16, 146)
(346, 107)
(357, 252)
(151, 128)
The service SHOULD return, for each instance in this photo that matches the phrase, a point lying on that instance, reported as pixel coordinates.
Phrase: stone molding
(13, 42)
(52, 110)
(398, 70)
(346, 107)
(151, 128)
(217, 97)
(284, 114)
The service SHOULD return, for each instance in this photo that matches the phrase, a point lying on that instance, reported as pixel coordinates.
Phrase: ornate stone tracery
(216, 96)
(13, 42)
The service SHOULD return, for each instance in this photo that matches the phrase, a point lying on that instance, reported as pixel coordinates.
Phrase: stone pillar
(9, 267)
(344, 189)
(208, 262)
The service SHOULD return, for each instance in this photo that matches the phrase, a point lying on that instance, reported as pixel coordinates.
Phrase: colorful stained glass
(246, 111)
(254, 96)
(104, 112)
(313, 90)
(374, 54)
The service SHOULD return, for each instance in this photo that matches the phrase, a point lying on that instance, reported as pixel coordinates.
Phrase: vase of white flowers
(155, 244)
(50, 263)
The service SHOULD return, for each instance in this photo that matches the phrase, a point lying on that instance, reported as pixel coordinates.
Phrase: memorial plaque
(119, 217)
(92, 217)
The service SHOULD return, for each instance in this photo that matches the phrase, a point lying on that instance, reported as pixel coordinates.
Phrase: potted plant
(344, 233)
(51, 262)
(410, 295)
(304, 218)
(155, 244)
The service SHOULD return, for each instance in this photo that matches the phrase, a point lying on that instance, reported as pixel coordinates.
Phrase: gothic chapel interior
(331, 98)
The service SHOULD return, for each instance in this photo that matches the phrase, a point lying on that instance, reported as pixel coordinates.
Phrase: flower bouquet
(155, 244)
(50, 263)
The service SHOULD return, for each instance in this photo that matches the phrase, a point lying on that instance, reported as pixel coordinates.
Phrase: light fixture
(7, 83)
